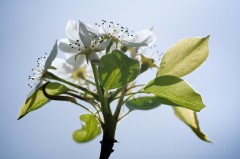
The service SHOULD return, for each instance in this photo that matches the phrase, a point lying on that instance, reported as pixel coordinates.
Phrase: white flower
(72, 69)
(121, 34)
(40, 72)
(148, 57)
(81, 41)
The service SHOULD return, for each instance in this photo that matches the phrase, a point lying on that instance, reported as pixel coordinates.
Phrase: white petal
(143, 38)
(76, 61)
(131, 44)
(61, 66)
(95, 59)
(67, 55)
(61, 74)
(72, 31)
(64, 45)
(93, 31)
(103, 45)
(84, 34)
(51, 56)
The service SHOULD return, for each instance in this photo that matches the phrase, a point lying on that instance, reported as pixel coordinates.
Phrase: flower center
(114, 31)
(39, 72)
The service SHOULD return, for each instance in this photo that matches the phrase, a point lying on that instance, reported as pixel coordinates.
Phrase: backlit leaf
(37, 99)
(118, 70)
(176, 91)
(90, 130)
(189, 117)
(143, 103)
(184, 57)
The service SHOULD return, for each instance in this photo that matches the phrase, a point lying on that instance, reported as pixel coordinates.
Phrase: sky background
(29, 28)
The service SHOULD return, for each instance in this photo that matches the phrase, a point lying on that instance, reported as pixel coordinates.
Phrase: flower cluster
(101, 67)
(86, 43)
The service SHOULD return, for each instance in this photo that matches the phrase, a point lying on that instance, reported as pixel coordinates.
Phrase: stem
(89, 81)
(120, 103)
(124, 115)
(65, 98)
(73, 85)
(128, 95)
(99, 119)
(110, 124)
(108, 140)
(103, 100)
(90, 101)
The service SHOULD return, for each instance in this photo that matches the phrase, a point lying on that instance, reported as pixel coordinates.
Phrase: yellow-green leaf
(176, 91)
(184, 57)
(117, 70)
(143, 103)
(189, 117)
(90, 130)
(37, 99)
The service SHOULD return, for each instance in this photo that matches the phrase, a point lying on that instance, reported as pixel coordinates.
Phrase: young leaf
(189, 117)
(37, 99)
(175, 90)
(184, 57)
(118, 70)
(90, 130)
(143, 103)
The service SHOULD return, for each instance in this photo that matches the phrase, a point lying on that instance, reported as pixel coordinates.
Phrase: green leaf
(90, 130)
(175, 90)
(184, 57)
(143, 103)
(118, 70)
(37, 99)
(189, 117)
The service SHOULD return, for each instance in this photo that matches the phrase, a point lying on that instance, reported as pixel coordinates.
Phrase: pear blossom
(72, 69)
(121, 34)
(149, 57)
(40, 72)
(81, 41)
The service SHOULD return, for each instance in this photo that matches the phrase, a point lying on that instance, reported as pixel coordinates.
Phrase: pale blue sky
(28, 29)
